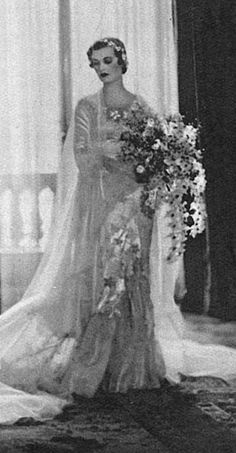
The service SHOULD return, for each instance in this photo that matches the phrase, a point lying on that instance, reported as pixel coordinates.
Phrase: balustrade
(26, 203)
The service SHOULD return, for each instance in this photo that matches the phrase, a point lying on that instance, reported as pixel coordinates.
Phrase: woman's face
(106, 65)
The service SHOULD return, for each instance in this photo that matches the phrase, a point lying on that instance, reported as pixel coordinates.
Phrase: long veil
(32, 326)
(38, 330)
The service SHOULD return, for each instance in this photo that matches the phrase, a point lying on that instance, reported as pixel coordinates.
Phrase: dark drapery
(207, 85)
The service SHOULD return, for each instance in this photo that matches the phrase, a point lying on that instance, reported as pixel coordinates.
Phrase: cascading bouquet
(167, 161)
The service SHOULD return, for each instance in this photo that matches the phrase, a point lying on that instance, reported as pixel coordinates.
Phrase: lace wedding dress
(100, 309)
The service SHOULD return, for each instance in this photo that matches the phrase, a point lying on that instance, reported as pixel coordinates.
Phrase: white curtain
(30, 88)
(30, 138)
(146, 27)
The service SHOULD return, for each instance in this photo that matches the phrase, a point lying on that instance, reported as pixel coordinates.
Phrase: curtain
(30, 98)
(30, 88)
(147, 31)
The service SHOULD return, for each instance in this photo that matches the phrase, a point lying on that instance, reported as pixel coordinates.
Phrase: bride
(97, 313)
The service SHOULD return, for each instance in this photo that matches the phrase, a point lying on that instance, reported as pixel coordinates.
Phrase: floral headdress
(116, 44)
(120, 48)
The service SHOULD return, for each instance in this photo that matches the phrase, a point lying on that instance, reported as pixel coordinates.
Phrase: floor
(198, 417)
(213, 330)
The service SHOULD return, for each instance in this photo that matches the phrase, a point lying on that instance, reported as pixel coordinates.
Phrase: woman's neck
(115, 94)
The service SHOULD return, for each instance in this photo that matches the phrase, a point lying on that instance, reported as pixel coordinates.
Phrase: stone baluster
(6, 219)
(45, 204)
(28, 202)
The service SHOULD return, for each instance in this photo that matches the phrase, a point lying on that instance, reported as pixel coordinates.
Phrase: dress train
(183, 351)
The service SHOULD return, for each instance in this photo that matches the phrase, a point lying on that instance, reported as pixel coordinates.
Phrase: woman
(87, 319)
(108, 204)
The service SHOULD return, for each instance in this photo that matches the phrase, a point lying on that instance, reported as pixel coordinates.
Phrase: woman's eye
(107, 60)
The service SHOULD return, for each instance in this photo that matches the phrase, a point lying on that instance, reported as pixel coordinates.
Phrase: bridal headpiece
(117, 45)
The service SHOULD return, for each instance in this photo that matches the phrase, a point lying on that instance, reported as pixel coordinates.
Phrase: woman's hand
(110, 148)
(109, 151)
(111, 164)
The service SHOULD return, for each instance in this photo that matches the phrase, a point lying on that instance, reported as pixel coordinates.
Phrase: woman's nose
(102, 66)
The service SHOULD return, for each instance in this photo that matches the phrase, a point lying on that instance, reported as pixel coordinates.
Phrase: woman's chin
(104, 79)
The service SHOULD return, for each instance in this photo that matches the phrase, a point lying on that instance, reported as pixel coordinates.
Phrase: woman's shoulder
(89, 102)
(144, 104)
(141, 100)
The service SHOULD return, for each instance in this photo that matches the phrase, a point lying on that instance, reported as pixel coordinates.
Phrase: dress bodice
(97, 145)
(111, 129)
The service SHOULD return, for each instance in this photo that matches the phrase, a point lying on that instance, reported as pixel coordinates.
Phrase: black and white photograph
(117, 226)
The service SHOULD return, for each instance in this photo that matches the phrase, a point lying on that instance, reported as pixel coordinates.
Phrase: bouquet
(168, 163)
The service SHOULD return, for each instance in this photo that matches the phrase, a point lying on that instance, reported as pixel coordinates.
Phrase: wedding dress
(100, 310)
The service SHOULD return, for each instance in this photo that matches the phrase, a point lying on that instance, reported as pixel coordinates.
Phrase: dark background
(207, 86)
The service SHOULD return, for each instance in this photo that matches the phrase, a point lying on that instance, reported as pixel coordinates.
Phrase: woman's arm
(87, 153)
(92, 155)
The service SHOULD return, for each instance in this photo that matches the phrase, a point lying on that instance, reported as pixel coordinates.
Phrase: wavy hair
(119, 51)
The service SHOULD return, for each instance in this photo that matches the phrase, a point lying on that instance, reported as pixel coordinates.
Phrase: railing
(26, 203)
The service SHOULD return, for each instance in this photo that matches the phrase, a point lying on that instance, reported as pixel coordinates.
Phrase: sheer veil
(52, 268)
